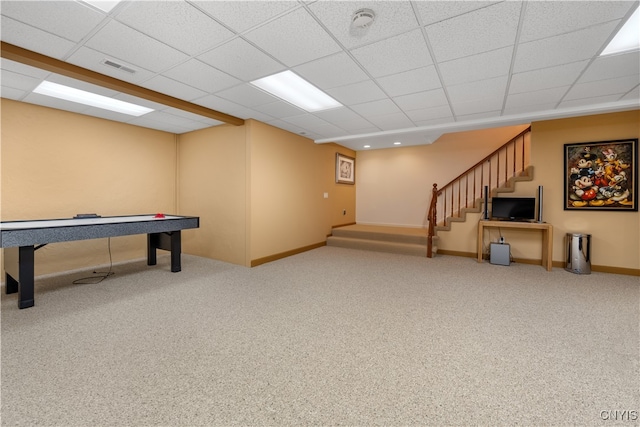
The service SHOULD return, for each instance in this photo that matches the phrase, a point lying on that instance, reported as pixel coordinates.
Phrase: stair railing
(466, 190)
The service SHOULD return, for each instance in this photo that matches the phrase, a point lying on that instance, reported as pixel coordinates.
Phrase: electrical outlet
(344, 212)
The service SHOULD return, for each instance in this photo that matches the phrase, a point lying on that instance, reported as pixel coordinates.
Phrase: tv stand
(547, 236)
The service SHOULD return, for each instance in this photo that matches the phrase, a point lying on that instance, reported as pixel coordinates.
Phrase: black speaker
(540, 203)
(486, 202)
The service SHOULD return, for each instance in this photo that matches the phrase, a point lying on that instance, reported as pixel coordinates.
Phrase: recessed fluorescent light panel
(87, 98)
(627, 39)
(294, 89)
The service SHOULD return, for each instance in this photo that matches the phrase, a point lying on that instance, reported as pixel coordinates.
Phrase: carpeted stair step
(400, 240)
(378, 245)
(381, 234)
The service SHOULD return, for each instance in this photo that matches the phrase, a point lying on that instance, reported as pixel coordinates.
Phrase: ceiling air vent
(118, 66)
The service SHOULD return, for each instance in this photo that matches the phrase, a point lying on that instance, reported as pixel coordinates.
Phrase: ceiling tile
(247, 95)
(357, 93)
(417, 80)
(279, 109)
(248, 113)
(489, 88)
(562, 75)
(435, 122)
(244, 15)
(549, 18)
(12, 93)
(303, 41)
(427, 114)
(582, 102)
(486, 29)
(18, 81)
(618, 85)
(472, 68)
(344, 118)
(306, 121)
(173, 88)
(177, 24)
(511, 110)
(392, 18)
(376, 108)
(287, 126)
(242, 60)
(427, 99)
(219, 104)
(550, 96)
(19, 68)
(478, 116)
(393, 121)
(604, 67)
(431, 12)
(192, 117)
(477, 106)
(400, 53)
(563, 49)
(121, 42)
(31, 38)
(202, 76)
(332, 71)
(93, 60)
(160, 121)
(632, 95)
(53, 17)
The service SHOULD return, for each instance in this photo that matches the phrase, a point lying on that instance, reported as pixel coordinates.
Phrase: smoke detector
(362, 18)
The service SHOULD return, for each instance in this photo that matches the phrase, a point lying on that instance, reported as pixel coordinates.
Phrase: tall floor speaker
(540, 203)
(486, 203)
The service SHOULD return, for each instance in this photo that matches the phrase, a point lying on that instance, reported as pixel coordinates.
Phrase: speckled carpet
(329, 337)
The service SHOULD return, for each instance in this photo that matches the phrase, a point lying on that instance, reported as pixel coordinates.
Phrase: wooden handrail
(455, 195)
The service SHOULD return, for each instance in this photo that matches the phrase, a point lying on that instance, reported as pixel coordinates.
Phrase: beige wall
(394, 185)
(56, 164)
(615, 235)
(212, 182)
(259, 190)
(289, 176)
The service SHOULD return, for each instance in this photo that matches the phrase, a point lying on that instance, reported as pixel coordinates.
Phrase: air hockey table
(20, 240)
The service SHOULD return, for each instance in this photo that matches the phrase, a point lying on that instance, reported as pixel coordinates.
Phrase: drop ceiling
(420, 70)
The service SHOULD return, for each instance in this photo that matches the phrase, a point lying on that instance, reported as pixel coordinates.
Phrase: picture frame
(345, 169)
(601, 176)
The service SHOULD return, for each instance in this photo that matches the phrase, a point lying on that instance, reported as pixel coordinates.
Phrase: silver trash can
(578, 253)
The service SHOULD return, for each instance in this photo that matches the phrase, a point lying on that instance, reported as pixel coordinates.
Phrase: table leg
(19, 274)
(152, 245)
(171, 241)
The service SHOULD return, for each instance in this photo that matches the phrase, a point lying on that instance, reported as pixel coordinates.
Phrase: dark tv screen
(513, 208)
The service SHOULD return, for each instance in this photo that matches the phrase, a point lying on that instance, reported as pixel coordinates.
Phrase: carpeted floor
(329, 337)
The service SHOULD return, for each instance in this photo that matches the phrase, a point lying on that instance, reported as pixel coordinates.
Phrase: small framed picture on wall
(601, 176)
(345, 169)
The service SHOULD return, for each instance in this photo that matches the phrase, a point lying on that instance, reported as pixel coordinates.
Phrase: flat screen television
(513, 208)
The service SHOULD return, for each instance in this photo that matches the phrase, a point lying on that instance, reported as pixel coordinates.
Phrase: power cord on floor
(93, 280)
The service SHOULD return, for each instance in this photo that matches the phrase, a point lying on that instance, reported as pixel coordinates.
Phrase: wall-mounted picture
(601, 175)
(345, 169)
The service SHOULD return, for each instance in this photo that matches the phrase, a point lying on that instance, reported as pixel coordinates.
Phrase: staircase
(399, 240)
(499, 171)
(478, 205)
